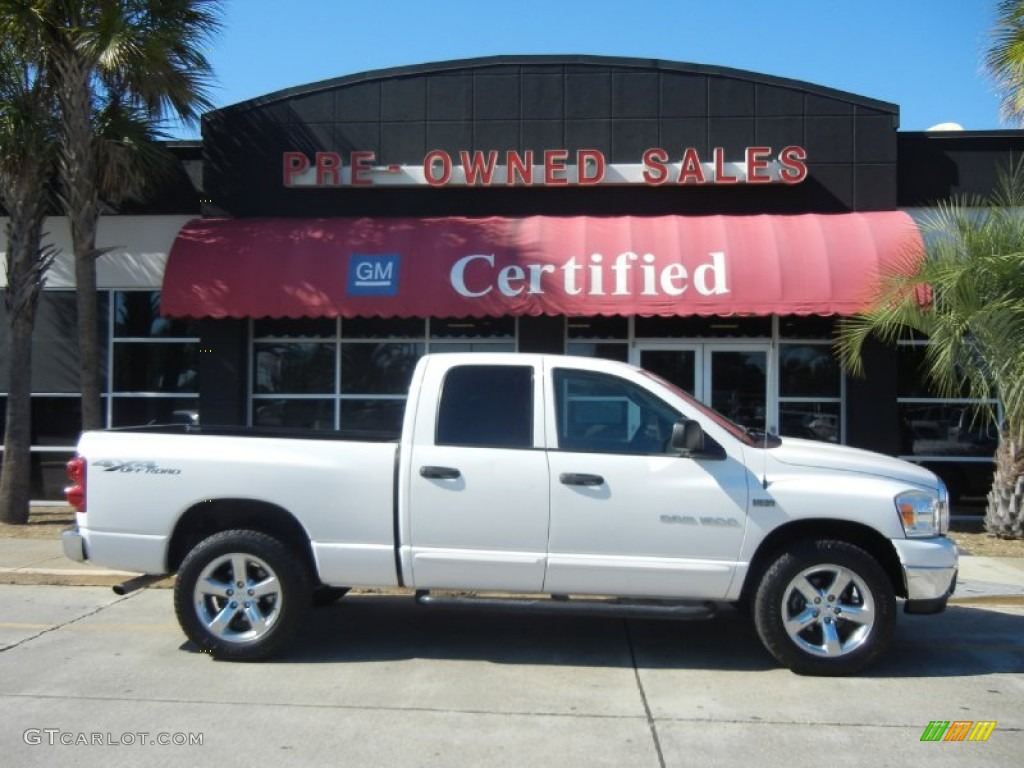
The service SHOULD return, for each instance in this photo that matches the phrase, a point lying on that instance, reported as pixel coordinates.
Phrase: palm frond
(974, 321)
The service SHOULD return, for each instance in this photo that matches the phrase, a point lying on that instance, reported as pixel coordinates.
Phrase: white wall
(141, 245)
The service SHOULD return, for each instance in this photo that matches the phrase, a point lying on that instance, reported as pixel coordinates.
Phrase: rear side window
(488, 406)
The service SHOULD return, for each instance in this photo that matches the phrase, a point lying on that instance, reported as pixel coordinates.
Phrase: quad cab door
(630, 515)
(477, 474)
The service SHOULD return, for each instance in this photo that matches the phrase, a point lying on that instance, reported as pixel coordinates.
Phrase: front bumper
(74, 545)
(929, 572)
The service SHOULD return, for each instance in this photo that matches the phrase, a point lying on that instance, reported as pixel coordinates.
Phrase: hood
(811, 453)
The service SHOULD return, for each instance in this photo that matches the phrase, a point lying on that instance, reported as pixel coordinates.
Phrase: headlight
(923, 513)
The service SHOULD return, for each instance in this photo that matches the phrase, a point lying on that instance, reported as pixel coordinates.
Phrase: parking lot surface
(90, 677)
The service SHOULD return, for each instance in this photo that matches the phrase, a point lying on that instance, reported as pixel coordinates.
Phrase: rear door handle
(440, 473)
(576, 478)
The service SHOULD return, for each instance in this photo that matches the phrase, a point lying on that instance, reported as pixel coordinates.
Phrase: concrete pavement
(42, 561)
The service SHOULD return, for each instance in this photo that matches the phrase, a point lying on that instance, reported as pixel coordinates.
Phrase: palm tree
(145, 55)
(1005, 58)
(27, 165)
(967, 298)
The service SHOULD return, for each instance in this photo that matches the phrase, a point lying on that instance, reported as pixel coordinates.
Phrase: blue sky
(924, 55)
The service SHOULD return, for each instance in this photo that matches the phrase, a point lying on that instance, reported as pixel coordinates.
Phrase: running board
(619, 607)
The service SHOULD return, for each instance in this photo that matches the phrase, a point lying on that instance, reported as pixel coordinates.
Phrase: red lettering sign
(759, 165)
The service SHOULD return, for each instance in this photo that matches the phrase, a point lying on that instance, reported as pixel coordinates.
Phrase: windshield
(756, 438)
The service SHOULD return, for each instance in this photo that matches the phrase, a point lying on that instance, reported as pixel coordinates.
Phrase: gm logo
(373, 275)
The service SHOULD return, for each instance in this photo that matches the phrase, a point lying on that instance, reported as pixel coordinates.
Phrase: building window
(354, 373)
(937, 429)
(810, 392)
(154, 362)
(603, 337)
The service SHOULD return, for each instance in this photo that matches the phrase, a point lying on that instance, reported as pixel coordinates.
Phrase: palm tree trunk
(15, 479)
(26, 266)
(1004, 516)
(78, 172)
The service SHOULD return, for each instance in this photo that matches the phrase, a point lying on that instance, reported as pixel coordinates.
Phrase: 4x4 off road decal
(135, 467)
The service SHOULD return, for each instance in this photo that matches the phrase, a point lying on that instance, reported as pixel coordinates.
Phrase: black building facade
(589, 141)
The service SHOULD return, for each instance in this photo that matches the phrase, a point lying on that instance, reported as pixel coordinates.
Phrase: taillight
(75, 493)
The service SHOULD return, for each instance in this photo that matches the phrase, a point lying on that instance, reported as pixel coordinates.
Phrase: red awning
(578, 265)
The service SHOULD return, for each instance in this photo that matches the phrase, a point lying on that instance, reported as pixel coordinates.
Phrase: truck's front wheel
(825, 608)
(241, 595)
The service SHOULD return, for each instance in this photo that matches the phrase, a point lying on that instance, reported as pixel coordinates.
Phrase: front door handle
(440, 473)
(576, 478)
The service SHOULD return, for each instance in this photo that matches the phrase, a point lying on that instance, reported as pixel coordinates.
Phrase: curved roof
(574, 60)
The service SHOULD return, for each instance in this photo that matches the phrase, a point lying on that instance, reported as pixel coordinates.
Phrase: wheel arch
(863, 536)
(206, 518)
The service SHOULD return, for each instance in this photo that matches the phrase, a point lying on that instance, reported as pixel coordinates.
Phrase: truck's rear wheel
(241, 595)
(825, 608)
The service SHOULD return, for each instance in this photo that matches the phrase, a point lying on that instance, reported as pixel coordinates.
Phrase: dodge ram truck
(524, 482)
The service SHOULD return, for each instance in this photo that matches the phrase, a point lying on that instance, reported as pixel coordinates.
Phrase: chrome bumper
(929, 572)
(74, 545)
(929, 583)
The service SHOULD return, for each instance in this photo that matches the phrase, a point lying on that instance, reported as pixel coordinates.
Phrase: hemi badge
(763, 502)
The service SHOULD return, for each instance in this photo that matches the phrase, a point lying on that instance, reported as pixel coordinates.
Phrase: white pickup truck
(527, 482)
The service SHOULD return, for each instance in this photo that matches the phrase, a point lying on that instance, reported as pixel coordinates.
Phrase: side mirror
(687, 436)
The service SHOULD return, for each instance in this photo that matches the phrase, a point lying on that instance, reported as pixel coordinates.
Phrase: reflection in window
(155, 375)
(168, 367)
(155, 378)
(360, 367)
(606, 414)
(809, 420)
(937, 428)
(384, 369)
(137, 315)
(808, 370)
(810, 392)
(135, 411)
(298, 413)
(55, 420)
(297, 368)
(374, 414)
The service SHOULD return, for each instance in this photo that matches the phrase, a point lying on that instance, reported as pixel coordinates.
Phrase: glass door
(736, 383)
(731, 378)
(683, 365)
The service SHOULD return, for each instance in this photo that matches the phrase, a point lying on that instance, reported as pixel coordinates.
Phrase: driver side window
(598, 413)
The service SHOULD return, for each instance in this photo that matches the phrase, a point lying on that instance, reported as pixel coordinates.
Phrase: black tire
(831, 631)
(241, 595)
(324, 596)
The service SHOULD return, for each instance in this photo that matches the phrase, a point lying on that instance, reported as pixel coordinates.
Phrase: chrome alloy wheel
(827, 610)
(237, 597)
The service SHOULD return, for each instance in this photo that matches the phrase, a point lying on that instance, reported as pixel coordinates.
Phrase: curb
(106, 578)
(72, 578)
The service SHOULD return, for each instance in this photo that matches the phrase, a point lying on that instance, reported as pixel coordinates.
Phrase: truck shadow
(964, 641)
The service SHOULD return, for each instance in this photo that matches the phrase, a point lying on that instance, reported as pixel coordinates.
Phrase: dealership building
(708, 224)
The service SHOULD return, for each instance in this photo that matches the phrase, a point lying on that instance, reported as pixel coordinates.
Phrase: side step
(620, 607)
